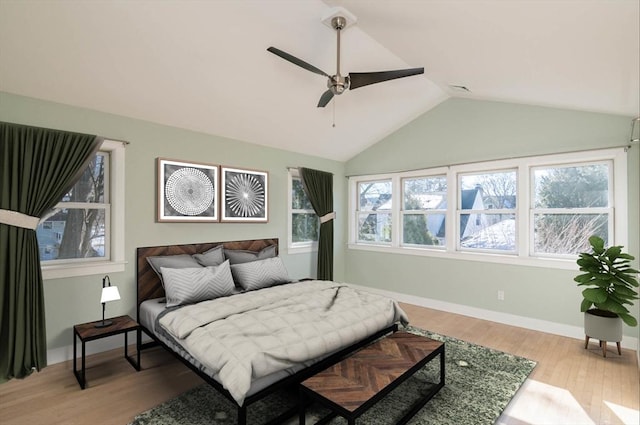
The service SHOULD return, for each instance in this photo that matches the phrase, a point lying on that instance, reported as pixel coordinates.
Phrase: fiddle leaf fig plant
(609, 278)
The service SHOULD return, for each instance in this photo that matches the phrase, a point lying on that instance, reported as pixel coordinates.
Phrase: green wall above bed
(76, 300)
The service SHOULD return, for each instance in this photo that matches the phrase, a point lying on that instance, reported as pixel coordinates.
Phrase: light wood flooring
(570, 385)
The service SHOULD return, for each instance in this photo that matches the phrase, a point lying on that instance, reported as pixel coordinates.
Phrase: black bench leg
(242, 415)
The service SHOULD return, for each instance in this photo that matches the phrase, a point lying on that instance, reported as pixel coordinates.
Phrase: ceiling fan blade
(325, 99)
(295, 60)
(360, 79)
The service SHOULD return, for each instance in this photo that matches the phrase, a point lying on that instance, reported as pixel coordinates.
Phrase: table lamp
(109, 293)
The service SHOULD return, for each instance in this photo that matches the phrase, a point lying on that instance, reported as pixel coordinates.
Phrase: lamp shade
(109, 293)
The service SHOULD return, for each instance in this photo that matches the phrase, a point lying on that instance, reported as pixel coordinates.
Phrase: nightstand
(88, 332)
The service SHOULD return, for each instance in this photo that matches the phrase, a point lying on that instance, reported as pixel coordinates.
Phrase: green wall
(462, 130)
(456, 131)
(76, 300)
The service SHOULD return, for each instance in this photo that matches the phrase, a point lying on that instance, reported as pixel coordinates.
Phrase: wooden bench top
(362, 376)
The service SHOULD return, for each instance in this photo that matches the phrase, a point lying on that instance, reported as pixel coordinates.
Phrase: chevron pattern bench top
(353, 385)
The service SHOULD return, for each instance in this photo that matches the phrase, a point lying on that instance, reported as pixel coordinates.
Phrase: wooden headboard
(149, 285)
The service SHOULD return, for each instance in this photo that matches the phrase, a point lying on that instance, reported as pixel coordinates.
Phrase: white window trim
(425, 212)
(295, 247)
(594, 210)
(116, 262)
(395, 188)
(523, 243)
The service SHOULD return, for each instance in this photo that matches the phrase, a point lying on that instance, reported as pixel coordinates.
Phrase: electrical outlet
(501, 295)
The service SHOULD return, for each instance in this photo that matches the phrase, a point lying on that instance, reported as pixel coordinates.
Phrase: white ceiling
(203, 65)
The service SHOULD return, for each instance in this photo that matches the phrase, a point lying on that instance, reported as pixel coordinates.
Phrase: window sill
(305, 249)
(60, 271)
(550, 263)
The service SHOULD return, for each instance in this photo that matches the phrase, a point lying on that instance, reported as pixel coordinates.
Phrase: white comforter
(253, 334)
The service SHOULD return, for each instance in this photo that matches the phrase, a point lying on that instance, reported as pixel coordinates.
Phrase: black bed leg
(242, 415)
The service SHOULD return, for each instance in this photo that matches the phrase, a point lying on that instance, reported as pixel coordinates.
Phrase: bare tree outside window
(571, 204)
(374, 217)
(486, 207)
(76, 228)
(304, 221)
(424, 210)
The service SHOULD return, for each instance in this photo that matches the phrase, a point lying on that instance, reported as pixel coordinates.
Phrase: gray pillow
(239, 256)
(191, 285)
(213, 257)
(259, 274)
(181, 261)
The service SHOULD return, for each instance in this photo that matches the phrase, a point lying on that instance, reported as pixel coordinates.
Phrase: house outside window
(304, 224)
(374, 215)
(84, 233)
(486, 211)
(424, 207)
(535, 211)
(78, 227)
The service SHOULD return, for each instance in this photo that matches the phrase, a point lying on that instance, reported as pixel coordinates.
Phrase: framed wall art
(187, 191)
(245, 196)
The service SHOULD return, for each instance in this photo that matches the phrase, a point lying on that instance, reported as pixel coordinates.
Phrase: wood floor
(570, 385)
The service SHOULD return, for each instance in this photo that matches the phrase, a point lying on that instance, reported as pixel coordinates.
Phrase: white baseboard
(62, 354)
(576, 332)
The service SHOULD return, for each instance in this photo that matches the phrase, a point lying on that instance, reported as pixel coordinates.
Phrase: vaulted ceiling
(203, 65)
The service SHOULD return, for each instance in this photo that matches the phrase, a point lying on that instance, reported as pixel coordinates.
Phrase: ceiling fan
(338, 84)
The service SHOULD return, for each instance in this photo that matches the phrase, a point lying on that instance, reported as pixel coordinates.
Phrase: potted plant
(611, 282)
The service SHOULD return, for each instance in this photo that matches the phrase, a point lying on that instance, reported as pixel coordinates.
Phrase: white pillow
(180, 261)
(260, 274)
(191, 285)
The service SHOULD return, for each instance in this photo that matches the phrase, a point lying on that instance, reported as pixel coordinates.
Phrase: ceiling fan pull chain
(334, 113)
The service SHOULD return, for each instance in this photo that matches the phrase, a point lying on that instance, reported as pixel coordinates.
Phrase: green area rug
(479, 384)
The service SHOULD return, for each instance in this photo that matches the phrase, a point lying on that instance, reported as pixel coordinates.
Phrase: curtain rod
(298, 169)
(111, 139)
(626, 148)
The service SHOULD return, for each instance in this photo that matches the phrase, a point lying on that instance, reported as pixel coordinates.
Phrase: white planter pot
(605, 329)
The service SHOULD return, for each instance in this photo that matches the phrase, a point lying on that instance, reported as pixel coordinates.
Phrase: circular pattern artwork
(245, 195)
(189, 191)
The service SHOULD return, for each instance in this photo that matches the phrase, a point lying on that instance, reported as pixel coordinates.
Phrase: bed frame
(149, 287)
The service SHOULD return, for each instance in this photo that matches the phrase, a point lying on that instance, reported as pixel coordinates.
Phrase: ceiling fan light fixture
(338, 84)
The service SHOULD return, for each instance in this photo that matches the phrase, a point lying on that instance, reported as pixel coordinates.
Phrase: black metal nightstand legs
(90, 332)
(79, 376)
(134, 363)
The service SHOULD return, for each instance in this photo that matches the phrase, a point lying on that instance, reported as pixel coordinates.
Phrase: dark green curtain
(318, 185)
(37, 167)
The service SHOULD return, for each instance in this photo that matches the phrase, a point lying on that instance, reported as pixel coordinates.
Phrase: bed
(259, 333)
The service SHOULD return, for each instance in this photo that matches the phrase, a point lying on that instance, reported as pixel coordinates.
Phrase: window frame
(426, 212)
(488, 211)
(609, 209)
(114, 216)
(104, 206)
(297, 247)
(523, 254)
(392, 212)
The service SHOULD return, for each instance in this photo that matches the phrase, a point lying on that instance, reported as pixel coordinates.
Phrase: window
(570, 203)
(304, 224)
(84, 233)
(518, 211)
(374, 211)
(486, 211)
(424, 207)
(79, 226)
